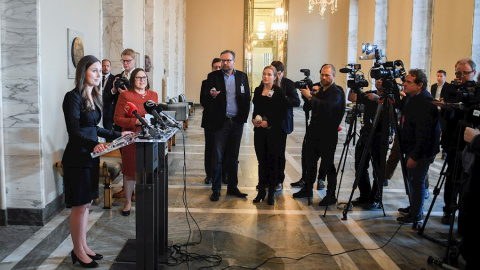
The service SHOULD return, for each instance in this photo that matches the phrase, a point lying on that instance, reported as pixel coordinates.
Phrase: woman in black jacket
(82, 111)
(269, 110)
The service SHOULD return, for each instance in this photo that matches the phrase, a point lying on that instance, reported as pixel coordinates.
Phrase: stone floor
(237, 234)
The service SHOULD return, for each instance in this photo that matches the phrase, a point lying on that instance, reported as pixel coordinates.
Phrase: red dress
(128, 124)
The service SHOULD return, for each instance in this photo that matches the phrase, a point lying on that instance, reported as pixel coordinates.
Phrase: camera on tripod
(467, 92)
(302, 84)
(356, 80)
(389, 70)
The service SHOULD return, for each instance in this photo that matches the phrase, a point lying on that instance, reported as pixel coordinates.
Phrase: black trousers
(321, 147)
(267, 148)
(368, 192)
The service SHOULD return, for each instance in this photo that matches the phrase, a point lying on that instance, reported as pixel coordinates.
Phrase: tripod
(452, 250)
(386, 112)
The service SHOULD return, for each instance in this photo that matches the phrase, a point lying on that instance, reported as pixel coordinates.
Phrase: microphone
(345, 70)
(152, 108)
(172, 121)
(131, 110)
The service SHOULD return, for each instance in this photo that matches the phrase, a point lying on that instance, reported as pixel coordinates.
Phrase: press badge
(242, 89)
(476, 113)
(270, 93)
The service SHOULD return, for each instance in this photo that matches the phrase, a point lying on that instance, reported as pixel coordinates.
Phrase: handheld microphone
(152, 108)
(131, 109)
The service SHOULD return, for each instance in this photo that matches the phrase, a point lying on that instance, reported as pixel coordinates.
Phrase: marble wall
(476, 35)
(112, 36)
(422, 22)
(353, 32)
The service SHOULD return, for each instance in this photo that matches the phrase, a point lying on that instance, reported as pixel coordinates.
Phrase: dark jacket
(109, 102)
(328, 108)
(433, 89)
(273, 108)
(82, 131)
(217, 107)
(420, 128)
(204, 93)
(292, 99)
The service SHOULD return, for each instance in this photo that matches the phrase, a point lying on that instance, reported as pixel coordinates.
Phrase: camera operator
(420, 134)
(328, 107)
(369, 194)
(467, 215)
(464, 71)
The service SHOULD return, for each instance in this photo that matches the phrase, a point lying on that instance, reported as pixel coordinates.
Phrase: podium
(150, 248)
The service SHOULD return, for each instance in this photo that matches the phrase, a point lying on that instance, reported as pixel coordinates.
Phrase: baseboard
(34, 217)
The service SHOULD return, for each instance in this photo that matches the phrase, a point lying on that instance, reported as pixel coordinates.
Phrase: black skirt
(81, 184)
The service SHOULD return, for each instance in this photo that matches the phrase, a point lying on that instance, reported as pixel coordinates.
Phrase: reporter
(137, 94)
(82, 111)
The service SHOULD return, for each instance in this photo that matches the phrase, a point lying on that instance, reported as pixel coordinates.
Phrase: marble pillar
(353, 32)
(112, 36)
(476, 35)
(148, 34)
(381, 22)
(166, 48)
(24, 183)
(421, 46)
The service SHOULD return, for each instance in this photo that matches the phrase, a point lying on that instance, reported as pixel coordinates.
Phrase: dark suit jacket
(217, 107)
(291, 95)
(109, 102)
(433, 89)
(204, 93)
(82, 131)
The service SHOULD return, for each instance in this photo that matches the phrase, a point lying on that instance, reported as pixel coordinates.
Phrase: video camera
(468, 93)
(122, 82)
(356, 80)
(302, 84)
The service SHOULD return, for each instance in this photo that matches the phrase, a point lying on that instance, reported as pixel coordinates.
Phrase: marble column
(149, 29)
(421, 46)
(112, 37)
(476, 35)
(3, 189)
(353, 32)
(167, 48)
(381, 22)
(24, 183)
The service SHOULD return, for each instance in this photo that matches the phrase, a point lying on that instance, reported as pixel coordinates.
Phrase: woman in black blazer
(82, 111)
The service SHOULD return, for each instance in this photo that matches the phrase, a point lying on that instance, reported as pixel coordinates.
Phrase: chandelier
(322, 5)
(279, 27)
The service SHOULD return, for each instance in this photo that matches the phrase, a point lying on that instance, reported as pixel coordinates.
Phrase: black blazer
(109, 101)
(274, 108)
(217, 107)
(82, 131)
(204, 93)
(433, 89)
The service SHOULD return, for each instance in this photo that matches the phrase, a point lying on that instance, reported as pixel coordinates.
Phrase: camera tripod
(386, 112)
(452, 247)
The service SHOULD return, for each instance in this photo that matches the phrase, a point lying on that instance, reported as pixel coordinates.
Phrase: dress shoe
(321, 184)
(260, 196)
(299, 183)
(303, 193)
(215, 196)
(236, 192)
(371, 206)
(126, 213)
(447, 218)
(96, 256)
(92, 264)
(329, 199)
(271, 197)
(360, 201)
(208, 180)
(385, 183)
(279, 187)
(409, 219)
(404, 211)
(119, 194)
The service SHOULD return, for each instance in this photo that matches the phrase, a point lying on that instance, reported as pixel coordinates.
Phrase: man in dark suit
(436, 91)
(229, 105)
(108, 103)
(293, 100)
(207, 130)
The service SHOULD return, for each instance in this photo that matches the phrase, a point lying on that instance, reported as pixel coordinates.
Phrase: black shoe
(236, 192)
(321, 184)
(225, 179)
(299, 183)
(404, 211)
(408, 219)
(96, 256)
(260, 196)
(215, 196)
(303, 193)
(279, 187)
(360, 201)
(371, 206)
(447, 218)
(328, 200)
(92, 264)
(208, 180)
(271, 198)
(126, 213)
(385, 183)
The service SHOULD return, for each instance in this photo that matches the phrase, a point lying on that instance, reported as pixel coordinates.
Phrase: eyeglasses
(465, 73)
(226, 60)
(144, 78)
(126, 61)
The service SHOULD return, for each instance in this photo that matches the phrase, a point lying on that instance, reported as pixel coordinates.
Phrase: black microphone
(131, 109)
(172, 121)
(152, 108)
(345, 70)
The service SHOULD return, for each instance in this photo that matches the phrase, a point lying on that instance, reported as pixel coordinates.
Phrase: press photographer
(327, 104)
(450, 99)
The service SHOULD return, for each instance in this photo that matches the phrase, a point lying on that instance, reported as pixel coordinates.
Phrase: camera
(302, 84)
(389, 70)
(122, 82)
(467, 93)
(356, 80)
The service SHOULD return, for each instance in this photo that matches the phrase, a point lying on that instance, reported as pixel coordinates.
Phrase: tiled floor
(243, 235)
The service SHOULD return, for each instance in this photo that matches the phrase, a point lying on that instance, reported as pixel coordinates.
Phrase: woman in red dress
(137, 94)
